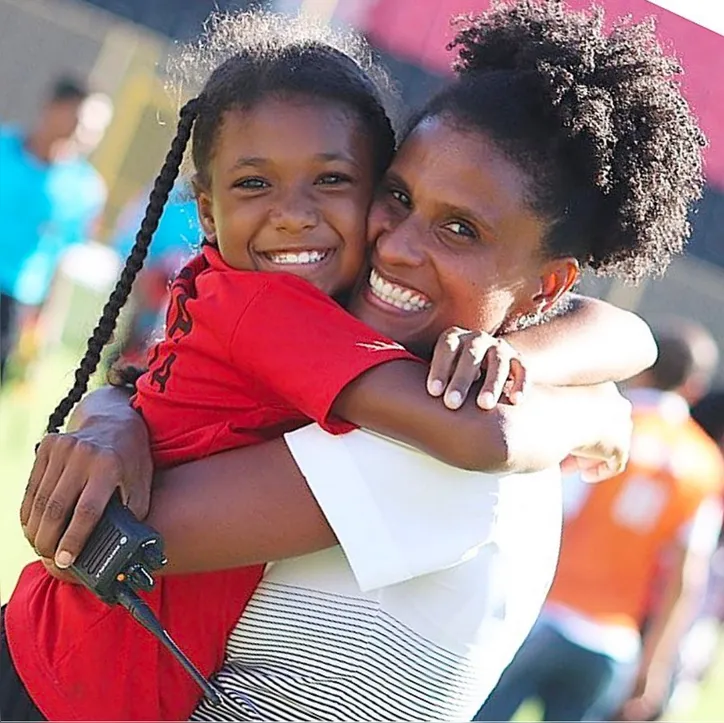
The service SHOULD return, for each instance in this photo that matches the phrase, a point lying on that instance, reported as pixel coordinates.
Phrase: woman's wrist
(107, 403)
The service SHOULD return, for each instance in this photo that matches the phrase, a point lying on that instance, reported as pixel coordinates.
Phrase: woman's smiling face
(454, 241)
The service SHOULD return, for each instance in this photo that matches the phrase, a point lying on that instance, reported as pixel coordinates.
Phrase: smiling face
(455, 242)
(291, 183)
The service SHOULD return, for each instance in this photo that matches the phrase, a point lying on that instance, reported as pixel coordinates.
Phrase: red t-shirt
(247, 356)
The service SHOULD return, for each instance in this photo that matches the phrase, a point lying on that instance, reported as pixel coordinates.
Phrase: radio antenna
(142, 614)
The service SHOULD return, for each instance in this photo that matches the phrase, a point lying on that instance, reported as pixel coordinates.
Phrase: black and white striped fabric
(421, 634)
(307, 655)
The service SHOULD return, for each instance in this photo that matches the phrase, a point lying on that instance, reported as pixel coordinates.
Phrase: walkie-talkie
(117, 562)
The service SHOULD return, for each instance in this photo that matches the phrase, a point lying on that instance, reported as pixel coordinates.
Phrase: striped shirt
(439, 575)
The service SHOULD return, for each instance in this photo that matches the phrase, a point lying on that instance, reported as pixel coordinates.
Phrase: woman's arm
(253, 504)
(590, 343)
(237, 508)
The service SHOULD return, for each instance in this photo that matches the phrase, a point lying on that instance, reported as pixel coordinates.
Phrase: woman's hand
(54, 571)
(462, 356)
(76, 473)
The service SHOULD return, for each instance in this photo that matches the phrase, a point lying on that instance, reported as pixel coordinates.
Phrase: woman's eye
(333, 179)
(252, 184)
(461, 229)
(401, 197)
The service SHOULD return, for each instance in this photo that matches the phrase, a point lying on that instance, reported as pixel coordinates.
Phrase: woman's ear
(557, 278)
(205, 209)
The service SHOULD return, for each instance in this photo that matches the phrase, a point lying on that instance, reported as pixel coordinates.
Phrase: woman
(515, 173)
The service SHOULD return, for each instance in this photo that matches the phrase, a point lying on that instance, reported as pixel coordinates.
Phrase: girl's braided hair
(107, 323)
(596, 119)
(241, 59)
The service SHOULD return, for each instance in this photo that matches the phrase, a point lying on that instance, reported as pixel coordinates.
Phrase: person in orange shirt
(586, 658)
(699, 649)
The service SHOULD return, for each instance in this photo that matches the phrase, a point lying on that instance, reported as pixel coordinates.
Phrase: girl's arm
(509, 438)
(344, 366)
(591, 342)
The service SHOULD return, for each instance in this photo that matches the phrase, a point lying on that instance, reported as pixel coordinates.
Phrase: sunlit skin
(452, 226)
(291, 183)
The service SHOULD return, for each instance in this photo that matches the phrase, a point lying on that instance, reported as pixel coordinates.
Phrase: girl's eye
(401, 197)
(251, 184)
(333, 179)
(460, 228)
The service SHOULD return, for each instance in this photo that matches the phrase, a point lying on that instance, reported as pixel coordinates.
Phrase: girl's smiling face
(455, 241)
(291, 181)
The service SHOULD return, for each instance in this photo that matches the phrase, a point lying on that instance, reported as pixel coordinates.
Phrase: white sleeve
(397, 513)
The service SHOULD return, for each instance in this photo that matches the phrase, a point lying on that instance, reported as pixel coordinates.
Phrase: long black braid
(107, 323)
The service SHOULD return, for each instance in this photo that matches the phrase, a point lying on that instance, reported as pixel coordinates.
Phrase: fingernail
(63, 559)
(454, 400)
(516, 397)
(435, 387)
(487, 400)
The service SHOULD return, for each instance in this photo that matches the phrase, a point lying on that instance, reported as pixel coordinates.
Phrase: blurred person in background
(177, 237)
(699, 649)
(598, 650)
(50, 198)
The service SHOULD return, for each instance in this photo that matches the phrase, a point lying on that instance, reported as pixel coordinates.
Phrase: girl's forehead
(280, 127)
(293, 109)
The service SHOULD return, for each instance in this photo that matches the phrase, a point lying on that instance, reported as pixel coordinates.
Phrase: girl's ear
(204, 208)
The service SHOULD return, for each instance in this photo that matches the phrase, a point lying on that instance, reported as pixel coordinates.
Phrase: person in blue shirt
(177, 237)
(50, 198)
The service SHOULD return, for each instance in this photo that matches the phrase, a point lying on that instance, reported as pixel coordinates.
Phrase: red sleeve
(305, 347)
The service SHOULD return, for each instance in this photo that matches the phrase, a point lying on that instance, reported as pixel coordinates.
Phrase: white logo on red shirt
(381, 345)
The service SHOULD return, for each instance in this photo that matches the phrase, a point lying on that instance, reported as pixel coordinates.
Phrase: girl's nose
(295, 214)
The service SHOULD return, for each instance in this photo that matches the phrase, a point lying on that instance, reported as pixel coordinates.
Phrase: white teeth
(304, 257)
(395, 295)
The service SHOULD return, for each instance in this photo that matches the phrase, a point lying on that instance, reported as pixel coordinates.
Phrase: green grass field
(24, 408)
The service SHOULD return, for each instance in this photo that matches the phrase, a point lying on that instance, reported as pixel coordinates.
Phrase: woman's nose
(402, 244)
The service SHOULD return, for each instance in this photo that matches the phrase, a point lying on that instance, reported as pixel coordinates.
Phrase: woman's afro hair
(612, 113)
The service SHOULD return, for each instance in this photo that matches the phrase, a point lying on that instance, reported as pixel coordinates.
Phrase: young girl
(289, 143)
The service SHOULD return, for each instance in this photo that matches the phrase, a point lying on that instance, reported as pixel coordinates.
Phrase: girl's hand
(462, 356)
(609, 429)
(590, 470)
